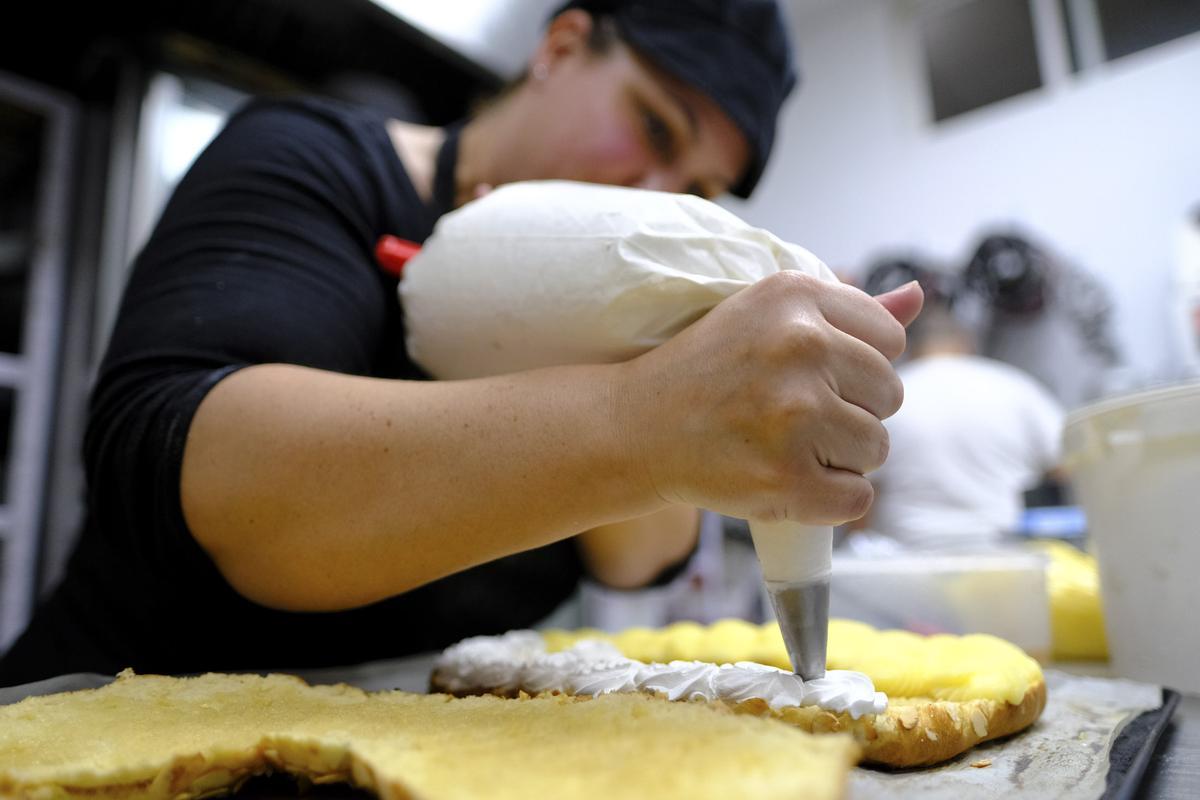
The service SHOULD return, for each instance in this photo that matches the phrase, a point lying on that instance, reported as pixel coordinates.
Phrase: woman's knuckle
(808, 341)
(792, 408)
(883, 447)
(895, 395)
(790, 280)
(858, 499)
(895, 339)
(791, 334)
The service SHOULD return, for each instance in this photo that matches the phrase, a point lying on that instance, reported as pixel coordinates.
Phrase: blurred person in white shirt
(972, 436)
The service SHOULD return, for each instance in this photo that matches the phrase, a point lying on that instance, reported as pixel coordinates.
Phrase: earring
(540, 71)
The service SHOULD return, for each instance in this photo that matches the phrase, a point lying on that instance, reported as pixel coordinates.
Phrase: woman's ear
(566, 36)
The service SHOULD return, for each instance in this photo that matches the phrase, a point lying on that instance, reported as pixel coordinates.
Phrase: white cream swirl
(680, 680)
(852, 691)
(747, 680)
(518, 660)
(602, 677)
(495, 662)
(545, 673)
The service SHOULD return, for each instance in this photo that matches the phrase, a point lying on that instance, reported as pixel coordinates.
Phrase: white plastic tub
(1001, 592)
(1135, 464)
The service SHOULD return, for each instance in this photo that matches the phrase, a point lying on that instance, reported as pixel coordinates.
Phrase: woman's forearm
(317, 491)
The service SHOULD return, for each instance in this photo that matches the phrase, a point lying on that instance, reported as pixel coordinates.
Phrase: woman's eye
(659, 135)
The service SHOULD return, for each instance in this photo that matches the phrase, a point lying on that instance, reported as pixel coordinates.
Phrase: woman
(271, 483)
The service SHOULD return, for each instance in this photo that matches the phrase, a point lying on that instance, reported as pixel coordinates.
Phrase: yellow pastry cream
(901, 664)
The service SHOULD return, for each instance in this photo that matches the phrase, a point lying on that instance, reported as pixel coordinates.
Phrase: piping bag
(795, 560)
(544, 273)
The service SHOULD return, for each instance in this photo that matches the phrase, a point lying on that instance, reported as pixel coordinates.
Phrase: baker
(272, 482)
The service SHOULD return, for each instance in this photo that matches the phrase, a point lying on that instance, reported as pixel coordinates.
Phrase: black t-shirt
(264, 254)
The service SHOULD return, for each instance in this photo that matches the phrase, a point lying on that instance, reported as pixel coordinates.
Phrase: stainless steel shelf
(12, 370)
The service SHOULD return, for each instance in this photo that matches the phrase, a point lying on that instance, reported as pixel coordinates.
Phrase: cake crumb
(981, 763)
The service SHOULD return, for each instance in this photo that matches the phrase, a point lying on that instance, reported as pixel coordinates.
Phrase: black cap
(734, 51)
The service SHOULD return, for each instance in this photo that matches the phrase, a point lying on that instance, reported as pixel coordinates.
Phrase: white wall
(1102, 167)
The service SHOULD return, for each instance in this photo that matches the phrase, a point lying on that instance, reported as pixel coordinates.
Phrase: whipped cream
(518, 660)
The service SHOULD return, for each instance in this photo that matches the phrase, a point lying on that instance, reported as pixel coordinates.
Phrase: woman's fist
(771, 405)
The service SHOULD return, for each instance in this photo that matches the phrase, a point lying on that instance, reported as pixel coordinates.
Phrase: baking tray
(1134, 748)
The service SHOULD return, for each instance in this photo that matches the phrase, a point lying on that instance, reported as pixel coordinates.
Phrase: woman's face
(615, 118)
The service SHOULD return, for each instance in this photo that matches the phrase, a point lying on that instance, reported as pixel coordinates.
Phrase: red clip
(392, 253)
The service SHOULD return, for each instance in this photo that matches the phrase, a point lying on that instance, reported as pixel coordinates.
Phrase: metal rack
(38, 205)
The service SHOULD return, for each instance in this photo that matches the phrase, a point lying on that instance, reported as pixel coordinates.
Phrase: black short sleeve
(264, 254)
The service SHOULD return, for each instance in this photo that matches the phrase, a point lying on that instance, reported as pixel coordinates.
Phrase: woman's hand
(771, 406)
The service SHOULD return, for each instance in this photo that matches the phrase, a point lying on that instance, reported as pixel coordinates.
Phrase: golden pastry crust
(160, 738)
(916, 732)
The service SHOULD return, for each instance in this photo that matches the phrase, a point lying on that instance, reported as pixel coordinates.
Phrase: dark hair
(891, 273)
(604, 34)
(1010, 272)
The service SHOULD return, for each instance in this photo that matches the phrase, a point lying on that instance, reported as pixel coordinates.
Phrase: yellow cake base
(154, 738)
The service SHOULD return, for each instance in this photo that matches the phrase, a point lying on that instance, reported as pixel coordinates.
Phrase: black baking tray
(1134, 748)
